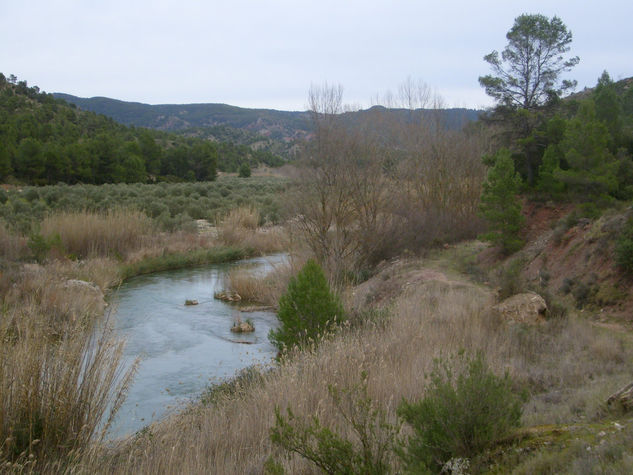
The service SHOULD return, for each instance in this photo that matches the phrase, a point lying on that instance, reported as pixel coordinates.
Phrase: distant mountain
(209, 119)
(280, 125)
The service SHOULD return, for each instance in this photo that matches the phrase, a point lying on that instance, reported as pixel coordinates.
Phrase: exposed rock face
(527, 308)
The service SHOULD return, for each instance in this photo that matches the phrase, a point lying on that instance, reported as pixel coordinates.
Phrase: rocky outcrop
(529, 308)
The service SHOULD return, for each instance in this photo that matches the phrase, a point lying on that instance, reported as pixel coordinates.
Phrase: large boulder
(529, 308)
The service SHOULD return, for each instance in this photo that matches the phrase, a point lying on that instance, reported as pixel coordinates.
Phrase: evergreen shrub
(308, 310)
(465, 410)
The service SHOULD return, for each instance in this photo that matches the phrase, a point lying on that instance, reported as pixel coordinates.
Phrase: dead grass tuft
(59, 380)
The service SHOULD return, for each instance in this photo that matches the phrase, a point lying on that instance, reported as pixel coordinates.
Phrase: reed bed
(113, 233)
(61, 378)
(240, 227)
(60, 371)
(12, 246)
(263, 289)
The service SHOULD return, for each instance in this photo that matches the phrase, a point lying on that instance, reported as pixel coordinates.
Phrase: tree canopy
(527, 73)
(44, 140)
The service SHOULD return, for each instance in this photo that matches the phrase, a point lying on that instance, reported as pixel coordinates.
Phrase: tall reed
(87, 234)
(240, 228)
(60, 385)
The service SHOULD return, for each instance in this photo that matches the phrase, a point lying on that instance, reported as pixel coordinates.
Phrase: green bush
(308, 309)
(244, 171)
(466, 408)
(367, 452)
(40, 245)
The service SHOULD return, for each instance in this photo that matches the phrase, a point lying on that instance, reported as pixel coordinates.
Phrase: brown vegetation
(241, 228)
(370, 191)
(434, 317)
(263, 289)
(61, 379)
(60, 368)
(110, 234)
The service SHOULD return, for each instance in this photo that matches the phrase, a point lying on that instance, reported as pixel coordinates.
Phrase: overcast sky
(267, 53)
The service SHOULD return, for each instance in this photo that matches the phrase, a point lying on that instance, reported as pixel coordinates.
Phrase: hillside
(174, 117)
(45, 140)
(284, 126)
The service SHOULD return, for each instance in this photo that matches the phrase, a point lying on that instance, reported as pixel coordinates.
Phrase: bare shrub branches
(394, 179)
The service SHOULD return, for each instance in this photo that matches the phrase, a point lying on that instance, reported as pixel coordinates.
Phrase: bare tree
(387, 181)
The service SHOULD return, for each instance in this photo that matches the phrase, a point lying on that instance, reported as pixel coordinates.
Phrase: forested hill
(45, 140)
(272, 124)
(267, 122)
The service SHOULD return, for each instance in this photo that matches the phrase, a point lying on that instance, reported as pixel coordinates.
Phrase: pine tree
(500, 205)
(308, 310)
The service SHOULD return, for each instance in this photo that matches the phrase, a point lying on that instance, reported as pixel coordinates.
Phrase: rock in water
(242, 327)
(191, 302)
(227, 296)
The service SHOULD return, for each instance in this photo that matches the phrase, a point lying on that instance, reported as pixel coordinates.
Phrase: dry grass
(86, 234)
(434, 319)
(263, 289)
(244, 217)
(12, 247)
(240, 228)
(60, 371)
(171, 243)
(54, 289)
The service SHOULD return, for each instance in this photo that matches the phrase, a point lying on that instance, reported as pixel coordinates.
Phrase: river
(183, 349)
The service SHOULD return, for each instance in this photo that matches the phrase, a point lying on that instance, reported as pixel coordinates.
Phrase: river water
(183, 349)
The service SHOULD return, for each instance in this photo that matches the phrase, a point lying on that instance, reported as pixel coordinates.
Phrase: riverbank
(421, 310)
(67, 363)
(183, 260)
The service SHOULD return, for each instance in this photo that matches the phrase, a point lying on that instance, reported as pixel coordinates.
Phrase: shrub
(465, 410)
(40, 246)
(244, 171)
(368, 451)
(308, 310)
(509, 279)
